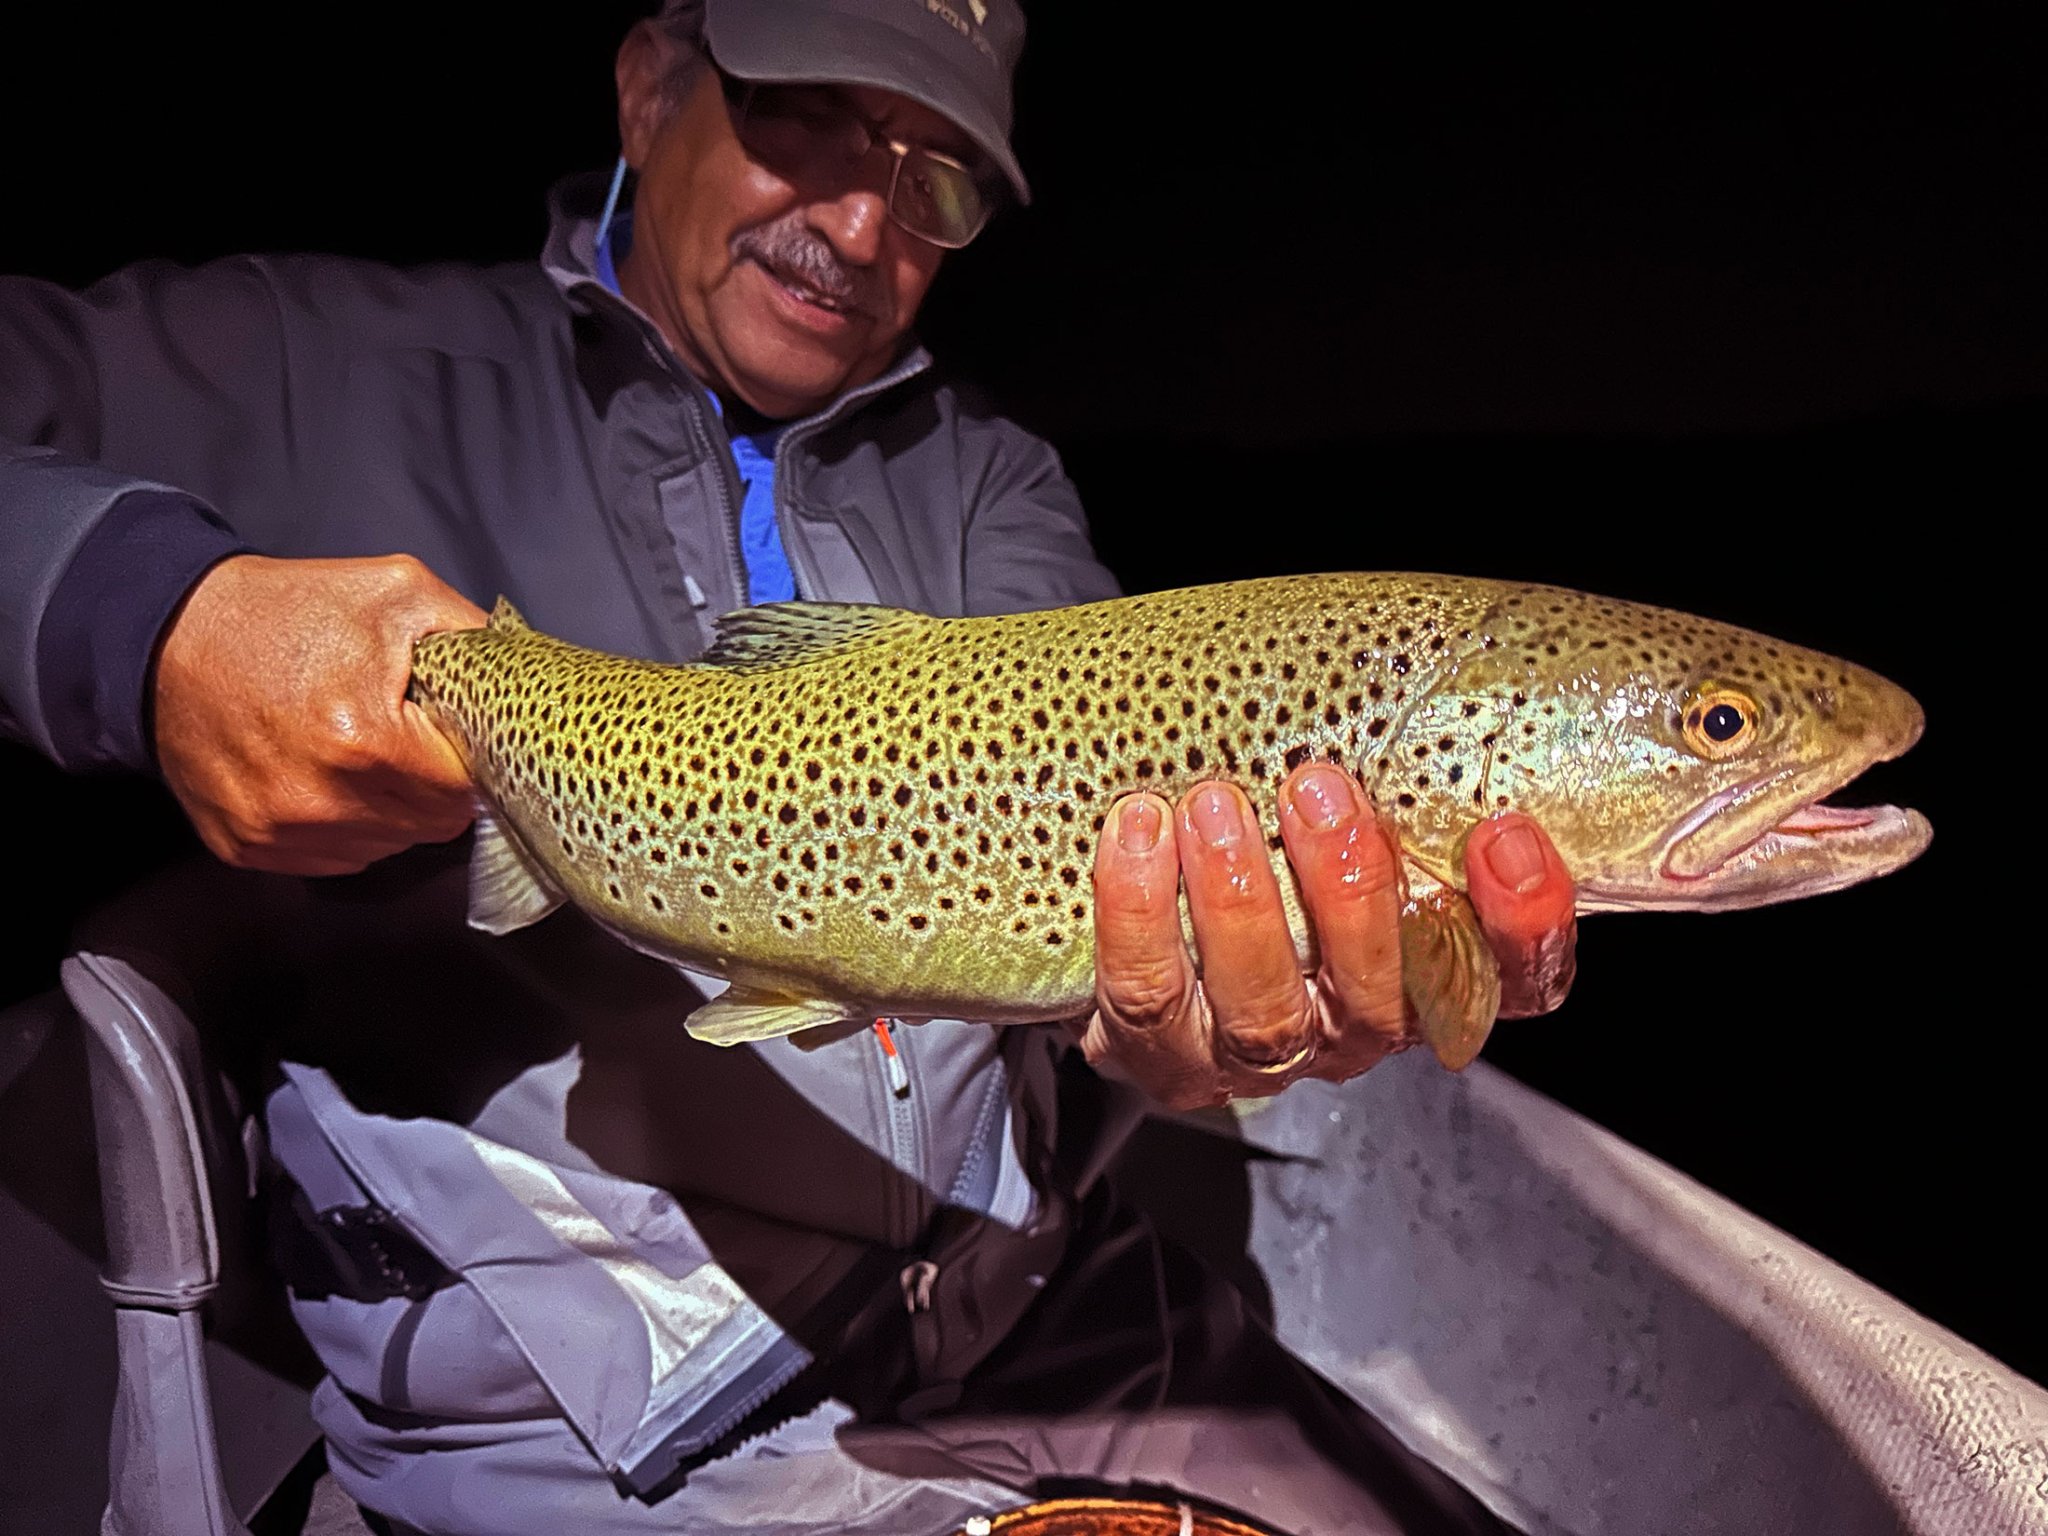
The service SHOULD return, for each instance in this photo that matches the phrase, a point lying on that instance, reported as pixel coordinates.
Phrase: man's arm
(281, 718)
(1027, 540)
(120, 409)
(137, 630)
(93, 563)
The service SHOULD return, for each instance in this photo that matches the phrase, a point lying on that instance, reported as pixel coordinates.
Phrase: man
(566, 1268)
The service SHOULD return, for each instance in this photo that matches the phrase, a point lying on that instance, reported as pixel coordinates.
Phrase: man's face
(782, 287)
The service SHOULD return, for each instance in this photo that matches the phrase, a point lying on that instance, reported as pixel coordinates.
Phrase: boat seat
(112, 1102)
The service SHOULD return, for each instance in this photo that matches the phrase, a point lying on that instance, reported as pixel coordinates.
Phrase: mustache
(792, 250)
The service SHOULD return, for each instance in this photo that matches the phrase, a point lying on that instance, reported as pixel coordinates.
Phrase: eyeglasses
(807, 130)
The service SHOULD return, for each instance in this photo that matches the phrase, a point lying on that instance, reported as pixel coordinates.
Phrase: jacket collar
(569, 257)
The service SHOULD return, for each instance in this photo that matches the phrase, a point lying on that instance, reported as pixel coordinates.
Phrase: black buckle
(356, 1251)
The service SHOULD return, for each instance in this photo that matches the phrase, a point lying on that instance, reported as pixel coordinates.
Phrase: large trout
(849, 811)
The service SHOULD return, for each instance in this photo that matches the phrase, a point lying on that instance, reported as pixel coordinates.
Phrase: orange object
(1108, 1517)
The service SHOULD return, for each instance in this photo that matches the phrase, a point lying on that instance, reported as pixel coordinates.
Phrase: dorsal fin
(507, 618)
(783, 634)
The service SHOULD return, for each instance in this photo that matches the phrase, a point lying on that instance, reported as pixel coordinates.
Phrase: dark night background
(1735, 315)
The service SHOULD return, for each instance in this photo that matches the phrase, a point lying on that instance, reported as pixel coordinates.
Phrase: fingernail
(1323, 796)
(1137, 825)
(1216, 818)
(1516, 859)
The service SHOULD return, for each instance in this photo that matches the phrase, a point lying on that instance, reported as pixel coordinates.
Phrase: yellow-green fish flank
(849, 811)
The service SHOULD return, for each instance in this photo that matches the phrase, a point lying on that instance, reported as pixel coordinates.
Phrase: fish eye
(1720, 723)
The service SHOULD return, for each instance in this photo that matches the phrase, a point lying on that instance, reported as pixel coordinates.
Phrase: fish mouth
(1775, 838)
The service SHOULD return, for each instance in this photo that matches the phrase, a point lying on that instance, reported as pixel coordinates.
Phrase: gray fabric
(1135, 1367)
(50, 503)
(452, 1480)
(1596, 1344)
(536, 1242)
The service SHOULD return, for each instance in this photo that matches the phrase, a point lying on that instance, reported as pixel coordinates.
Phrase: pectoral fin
(1450, 975)
(507, 889)
(738, 1015)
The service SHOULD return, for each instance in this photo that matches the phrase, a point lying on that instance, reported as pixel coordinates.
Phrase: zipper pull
(899, 1078)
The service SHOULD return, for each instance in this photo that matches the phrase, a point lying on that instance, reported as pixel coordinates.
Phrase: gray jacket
(530, 1107)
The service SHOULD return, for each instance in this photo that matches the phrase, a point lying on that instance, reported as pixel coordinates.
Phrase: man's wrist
(97, 646)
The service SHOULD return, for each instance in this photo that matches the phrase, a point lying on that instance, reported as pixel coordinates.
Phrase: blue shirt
(769, 578)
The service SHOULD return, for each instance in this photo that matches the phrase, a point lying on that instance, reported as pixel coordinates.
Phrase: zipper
(730, 496)
(893, 1070)
(657, 347)
(793, 546)
(892, 1062)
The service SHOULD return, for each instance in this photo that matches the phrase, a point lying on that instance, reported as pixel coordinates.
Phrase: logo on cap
(970, 31)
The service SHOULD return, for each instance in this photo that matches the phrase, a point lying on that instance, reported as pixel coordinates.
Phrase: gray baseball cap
(955, 56)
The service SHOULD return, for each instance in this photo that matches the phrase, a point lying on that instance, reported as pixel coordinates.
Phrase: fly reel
(1108, 1517)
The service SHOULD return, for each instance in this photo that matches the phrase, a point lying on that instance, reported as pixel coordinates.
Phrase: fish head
(1676, 763)
(1746, 812)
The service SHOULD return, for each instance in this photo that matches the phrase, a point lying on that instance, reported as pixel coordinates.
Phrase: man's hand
(281, 719)
(1251, 1023)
